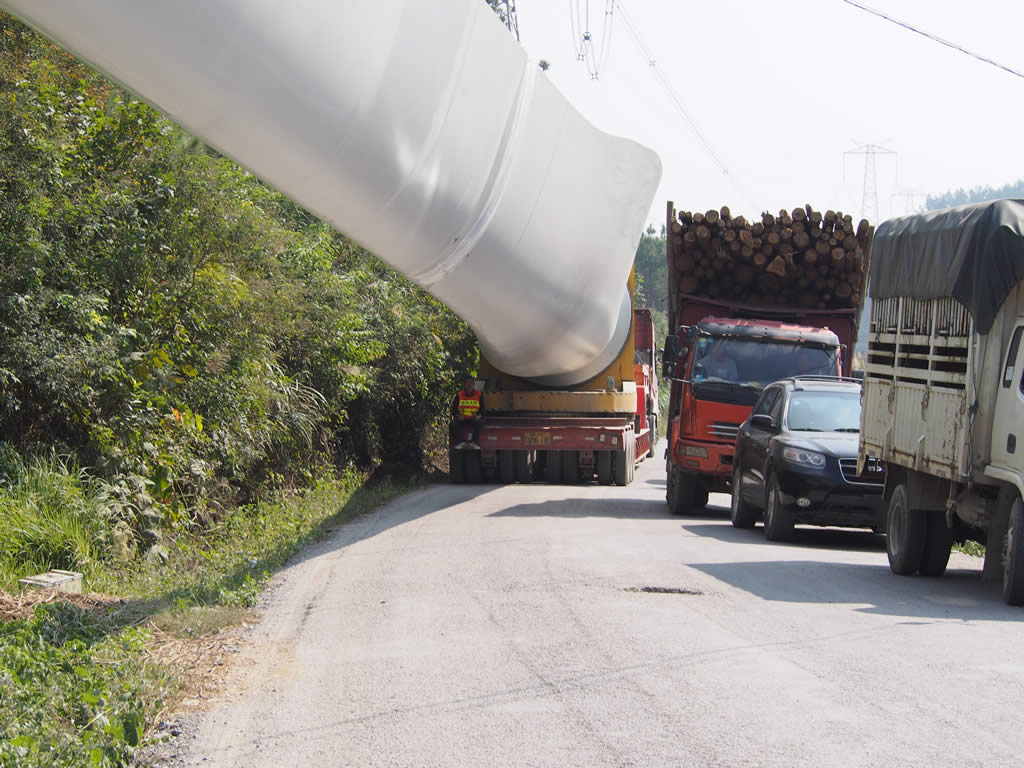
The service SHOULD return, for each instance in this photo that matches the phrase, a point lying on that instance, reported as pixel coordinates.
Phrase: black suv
(796, 459)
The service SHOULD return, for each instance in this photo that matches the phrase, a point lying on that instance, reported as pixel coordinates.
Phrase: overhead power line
(935, 38)
(666, 86)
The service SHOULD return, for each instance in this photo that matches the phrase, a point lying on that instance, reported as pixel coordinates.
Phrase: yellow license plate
(537, 438)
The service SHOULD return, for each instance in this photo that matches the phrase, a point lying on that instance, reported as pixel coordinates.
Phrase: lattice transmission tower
(869, 199)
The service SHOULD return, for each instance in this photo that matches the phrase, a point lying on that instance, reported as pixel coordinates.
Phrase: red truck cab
(721, 357)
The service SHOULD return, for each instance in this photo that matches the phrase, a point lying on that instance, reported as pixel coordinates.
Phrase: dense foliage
(180, 329)
(974, 195)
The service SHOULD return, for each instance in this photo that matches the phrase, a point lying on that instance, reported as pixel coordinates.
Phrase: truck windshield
(756, 364)
(824, 412)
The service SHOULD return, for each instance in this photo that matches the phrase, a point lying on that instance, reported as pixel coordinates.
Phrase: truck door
(1008, 423)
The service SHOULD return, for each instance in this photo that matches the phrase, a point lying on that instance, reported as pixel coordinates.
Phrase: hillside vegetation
(178, 340)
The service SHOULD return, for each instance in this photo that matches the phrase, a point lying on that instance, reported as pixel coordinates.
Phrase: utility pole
(869, 200)
(909, 197)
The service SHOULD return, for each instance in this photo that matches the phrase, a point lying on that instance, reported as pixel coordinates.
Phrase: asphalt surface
(510, 626)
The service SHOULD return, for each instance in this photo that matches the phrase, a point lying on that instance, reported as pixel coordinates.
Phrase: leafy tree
(974, 195)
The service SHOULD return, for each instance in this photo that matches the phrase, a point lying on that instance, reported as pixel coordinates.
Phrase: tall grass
(52, 515)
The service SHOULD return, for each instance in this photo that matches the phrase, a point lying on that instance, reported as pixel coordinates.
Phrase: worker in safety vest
(468, 406)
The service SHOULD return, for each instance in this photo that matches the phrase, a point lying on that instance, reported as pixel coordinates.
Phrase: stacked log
(799, 257)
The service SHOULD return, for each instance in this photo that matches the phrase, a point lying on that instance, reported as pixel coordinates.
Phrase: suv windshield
(757, 364)
(824, 412)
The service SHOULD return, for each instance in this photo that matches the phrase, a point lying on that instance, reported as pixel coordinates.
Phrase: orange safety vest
(469, 404)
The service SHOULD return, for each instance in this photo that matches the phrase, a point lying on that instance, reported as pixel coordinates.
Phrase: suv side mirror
(763, 421)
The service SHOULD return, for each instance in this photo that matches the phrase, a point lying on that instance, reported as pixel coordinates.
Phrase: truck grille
(874, 471)
(724, 430)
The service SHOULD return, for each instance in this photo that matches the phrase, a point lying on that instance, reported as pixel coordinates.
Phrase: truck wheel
(507, 467)
(681, 489)
(552, 467)
(631, 463)
(474, 469)
(905, 534)
(1013, 557)
(456, 466)
(571, 467)
(622, 467)
(604, 467)
(652, 420)
(524, 467)
(778, 518)
(938, 541)
(742, 514)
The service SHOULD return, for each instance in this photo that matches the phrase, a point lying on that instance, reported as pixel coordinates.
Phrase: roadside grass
(972, 548)
(84, 687)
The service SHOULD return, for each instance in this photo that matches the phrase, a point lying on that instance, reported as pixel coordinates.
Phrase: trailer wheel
(571, 467)
(652, 420)
(474, 469)
(778, 518)
(604, 467)
(552, 467)
(1013, 556)
(905, 534)
(523, 466)
(456, 466)
(507, 467)
(938, 541)
(621, 467)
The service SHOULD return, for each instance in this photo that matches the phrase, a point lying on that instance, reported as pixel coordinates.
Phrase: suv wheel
(778, 517)
(741, 514)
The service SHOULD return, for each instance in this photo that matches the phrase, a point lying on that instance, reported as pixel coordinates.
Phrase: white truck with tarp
(943, 397)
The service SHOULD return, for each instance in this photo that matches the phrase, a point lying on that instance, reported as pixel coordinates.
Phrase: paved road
(508, 626)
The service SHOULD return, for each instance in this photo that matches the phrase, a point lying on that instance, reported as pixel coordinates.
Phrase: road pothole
(664, 590)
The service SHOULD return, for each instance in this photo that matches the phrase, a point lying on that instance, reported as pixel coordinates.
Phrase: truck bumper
(711, 461)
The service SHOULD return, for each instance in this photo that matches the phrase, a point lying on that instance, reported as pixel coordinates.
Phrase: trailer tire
(631, 464)
(570, 467)
(474, 469)
(604, 467)
(1013, 556)
(741, 513)
(906, 530)
(456, 467)
(507, 467)
(523, 466)
(621, 467)
(552, 467)
(652, 422)
(778, 517)
(681, 490)
(938, 541)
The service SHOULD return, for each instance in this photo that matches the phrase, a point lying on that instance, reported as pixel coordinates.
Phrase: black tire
(604, 467)
(778, 517)
(631, 463)
(906, 530)
(552, 467)
(681, 490)
(621, 467)
(700, 497)
(507, 467)
(938, 541)
(474, 469)
(456, 467)
(741, 514)
(570, 467)
(524, 467)
(1013, 556)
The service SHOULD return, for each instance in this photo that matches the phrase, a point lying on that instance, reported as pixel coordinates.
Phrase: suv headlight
(804, 458)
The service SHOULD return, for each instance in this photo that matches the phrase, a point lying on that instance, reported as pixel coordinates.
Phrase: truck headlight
(804, 458)
(695, 450)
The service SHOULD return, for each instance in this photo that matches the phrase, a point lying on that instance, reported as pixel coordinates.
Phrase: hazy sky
(782, 89)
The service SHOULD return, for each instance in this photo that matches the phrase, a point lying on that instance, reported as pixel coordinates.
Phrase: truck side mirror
(669, 355)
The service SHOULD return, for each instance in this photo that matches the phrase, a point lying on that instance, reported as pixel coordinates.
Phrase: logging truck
(750, 303)
(599, 429)
(943, 402)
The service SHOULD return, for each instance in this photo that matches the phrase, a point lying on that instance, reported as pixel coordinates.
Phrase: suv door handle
(1011, 443)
